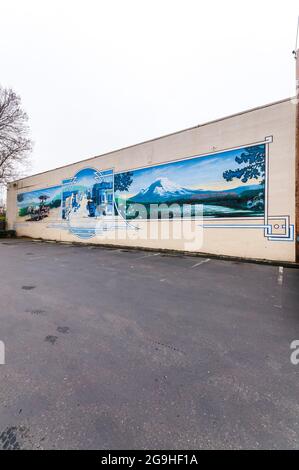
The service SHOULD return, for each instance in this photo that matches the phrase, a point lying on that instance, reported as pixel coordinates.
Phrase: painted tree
(254, 168)
(43, 198)
(123, 181)
(15, 144)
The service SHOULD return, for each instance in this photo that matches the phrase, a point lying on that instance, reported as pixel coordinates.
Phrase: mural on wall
(35, 206)
(83, 205)
(227, 184)
(87, 201)
(231, 185)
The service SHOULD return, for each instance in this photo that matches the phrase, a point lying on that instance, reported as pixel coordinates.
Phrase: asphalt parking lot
(118, 349)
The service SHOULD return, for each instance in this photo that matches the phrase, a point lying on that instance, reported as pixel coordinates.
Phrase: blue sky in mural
(32, 197)
(89, 176)
(196, 173)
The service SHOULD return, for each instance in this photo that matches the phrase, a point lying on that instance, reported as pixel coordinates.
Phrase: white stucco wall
(276, 120)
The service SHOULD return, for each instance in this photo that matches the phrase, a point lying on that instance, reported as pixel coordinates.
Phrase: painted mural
(230, 185)
(38, 205)
(88, 201)
(226, 184)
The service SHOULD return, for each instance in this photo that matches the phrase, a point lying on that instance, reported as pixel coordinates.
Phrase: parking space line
(280, 275)
(201, 262)
(148, 256)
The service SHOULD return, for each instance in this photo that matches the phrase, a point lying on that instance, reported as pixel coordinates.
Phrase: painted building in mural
(228, 184)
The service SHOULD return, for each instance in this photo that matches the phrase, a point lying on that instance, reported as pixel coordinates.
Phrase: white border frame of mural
(275, 228)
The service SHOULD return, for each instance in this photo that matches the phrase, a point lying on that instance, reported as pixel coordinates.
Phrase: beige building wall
(271, 239)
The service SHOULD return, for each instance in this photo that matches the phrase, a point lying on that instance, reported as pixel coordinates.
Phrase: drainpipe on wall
(297, 158)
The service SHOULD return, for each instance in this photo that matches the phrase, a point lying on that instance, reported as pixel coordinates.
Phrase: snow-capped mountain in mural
(162, 190)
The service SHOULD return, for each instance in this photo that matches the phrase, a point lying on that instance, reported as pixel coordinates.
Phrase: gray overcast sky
(97, 75)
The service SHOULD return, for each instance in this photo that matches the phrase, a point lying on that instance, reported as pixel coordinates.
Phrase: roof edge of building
(158, 138)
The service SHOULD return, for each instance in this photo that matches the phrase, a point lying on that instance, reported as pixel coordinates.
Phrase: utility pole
(296, 55)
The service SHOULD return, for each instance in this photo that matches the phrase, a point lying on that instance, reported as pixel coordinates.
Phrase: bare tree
(15, 145)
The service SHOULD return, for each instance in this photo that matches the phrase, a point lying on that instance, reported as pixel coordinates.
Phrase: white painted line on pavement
(280, 275)
(201, 262)
(148, 256)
